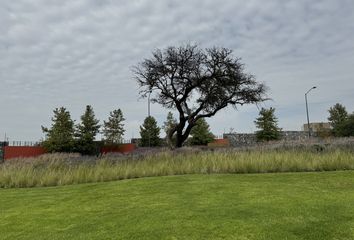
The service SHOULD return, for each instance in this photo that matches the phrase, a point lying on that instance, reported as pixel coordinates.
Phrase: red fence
(123, 148)
(22, 152)
(34, 151)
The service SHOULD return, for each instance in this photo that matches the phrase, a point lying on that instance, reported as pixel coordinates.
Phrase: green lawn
(249, 206)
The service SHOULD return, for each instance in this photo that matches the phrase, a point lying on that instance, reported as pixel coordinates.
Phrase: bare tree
(197, 83)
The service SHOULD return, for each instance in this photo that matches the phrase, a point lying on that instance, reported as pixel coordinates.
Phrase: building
(317, 127)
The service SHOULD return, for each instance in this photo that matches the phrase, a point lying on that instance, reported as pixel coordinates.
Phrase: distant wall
(123, 148)
(219, 143)
(22, 152)
(249, 139)
(10, 152)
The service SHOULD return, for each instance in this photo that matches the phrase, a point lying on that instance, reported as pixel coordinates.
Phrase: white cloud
(73, 53)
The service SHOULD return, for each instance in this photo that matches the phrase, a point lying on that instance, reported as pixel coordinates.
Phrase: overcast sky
(72, 53)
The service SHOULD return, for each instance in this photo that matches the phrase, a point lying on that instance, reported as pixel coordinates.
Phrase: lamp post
(307, 111)
(149, 117)
(149, 104)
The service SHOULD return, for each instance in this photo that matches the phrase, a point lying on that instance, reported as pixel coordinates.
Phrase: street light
(307, 111)
(149, 103)
(149, 117)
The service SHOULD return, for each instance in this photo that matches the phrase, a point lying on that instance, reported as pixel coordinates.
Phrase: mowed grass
(318, 205)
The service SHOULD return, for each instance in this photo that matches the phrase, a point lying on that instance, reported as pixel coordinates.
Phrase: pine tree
(150, 133)
(347, 129)
(337, 118)
(170, 123)
(201, 134)
(113, 129)
(86, 132)
(60, 137)
(268, 125)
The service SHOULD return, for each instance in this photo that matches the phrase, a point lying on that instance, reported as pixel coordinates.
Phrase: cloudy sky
(72, 53)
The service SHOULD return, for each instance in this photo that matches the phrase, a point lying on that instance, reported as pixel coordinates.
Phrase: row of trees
(197, 83)
(66, 136)
(150, 132)
(342, 124)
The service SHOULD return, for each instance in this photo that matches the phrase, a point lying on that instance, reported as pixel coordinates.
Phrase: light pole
(149, 104)
(307, 111)
(149, 131)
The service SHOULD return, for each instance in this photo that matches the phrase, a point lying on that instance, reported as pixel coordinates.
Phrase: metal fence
(23, 143)
(38, 143)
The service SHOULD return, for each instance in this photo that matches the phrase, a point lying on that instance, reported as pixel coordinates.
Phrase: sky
(76, 53)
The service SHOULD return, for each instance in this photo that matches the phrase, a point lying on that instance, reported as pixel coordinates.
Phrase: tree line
(150, 133)
(341, 122)
(66, 136)
(197, 83)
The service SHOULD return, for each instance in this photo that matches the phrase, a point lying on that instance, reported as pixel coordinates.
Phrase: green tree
(197, 83)
(113, 129)
(337, 118)
(268, 125)
(150, 133)
(168, 126)
(86, 132)
(347, 127)
(60, 137)
(201, 134)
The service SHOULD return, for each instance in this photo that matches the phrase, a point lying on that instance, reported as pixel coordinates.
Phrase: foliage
(337, 117)
(201, 134)
(197, 83)
(60, 137)
(113, 129)
(168, 126)
(323, 132)
(60, 169)
(268, 125)
(86, 132)
(347, 127)
(150, 133)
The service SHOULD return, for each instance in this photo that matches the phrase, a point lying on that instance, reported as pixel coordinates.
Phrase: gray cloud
(73, 53)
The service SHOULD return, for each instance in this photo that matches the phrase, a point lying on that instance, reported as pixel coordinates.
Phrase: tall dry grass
(64, 169)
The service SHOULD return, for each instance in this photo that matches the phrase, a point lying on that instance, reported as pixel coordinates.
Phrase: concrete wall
(249, 139)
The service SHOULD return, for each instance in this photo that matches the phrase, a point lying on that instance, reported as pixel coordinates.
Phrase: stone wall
(249, 139)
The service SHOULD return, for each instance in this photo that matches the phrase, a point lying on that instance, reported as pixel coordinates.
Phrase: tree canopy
(60, 137)
(201, 134)
(86, 132)
(113, 129)
(267, 123)
(168, 126)
(150, 133)
(338, 115)
(197, 83)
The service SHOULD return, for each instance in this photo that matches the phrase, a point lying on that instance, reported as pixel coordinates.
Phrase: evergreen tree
(60, 137)
(201, 134)
(150, 133)
(349, 126)
(86, 132)
(268, 125)
(337, 118)
(113, 129)
(170, 123)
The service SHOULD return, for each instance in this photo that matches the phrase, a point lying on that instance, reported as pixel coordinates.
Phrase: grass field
(217, 206)
(63, 169)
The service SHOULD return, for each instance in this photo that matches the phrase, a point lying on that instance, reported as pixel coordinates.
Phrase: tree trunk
(182, 137)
